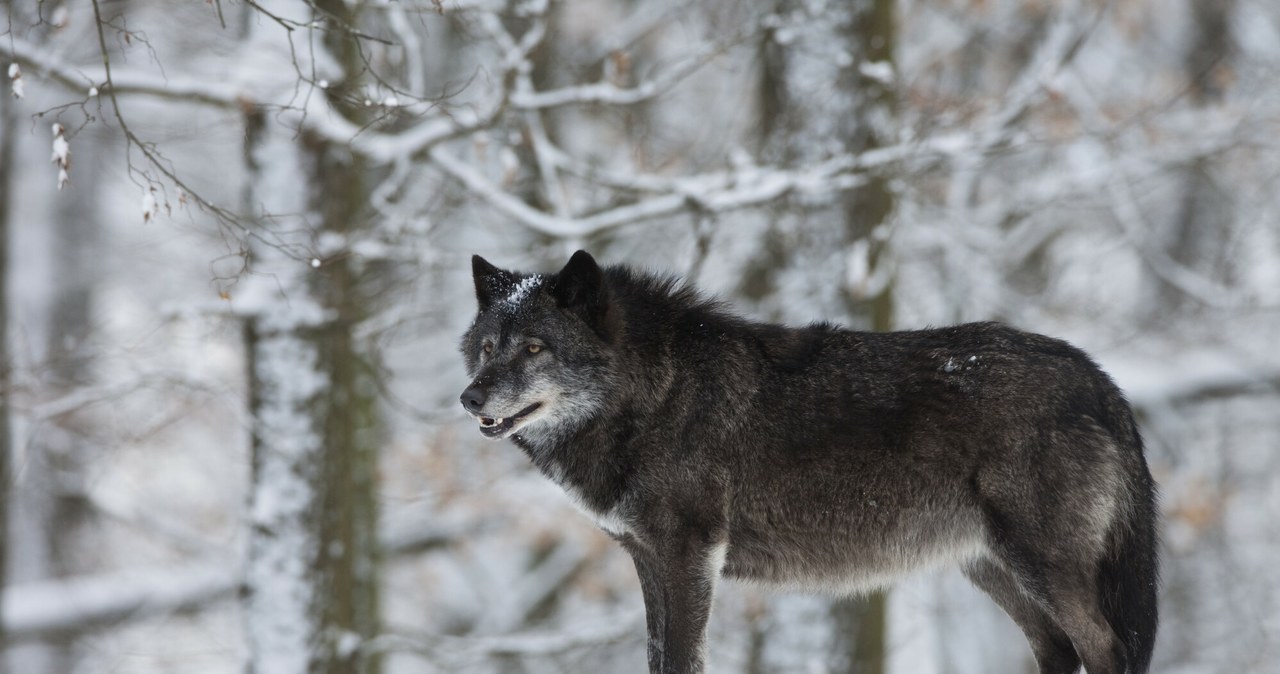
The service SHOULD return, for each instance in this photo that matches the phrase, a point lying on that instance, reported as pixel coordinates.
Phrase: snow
(348, 643)
(880, 71)
(521, 291)
(39, 609)
(15, 81)
(280, 611)
(1150, 382)
(61, 155)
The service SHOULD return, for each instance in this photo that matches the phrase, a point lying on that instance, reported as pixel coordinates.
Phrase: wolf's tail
(1128, 576)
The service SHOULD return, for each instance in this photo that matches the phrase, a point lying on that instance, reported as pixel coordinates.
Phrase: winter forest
(235, 241)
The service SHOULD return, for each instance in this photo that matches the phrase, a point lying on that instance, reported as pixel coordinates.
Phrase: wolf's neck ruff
(710, 445)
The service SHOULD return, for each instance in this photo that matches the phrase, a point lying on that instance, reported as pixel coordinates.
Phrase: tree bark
(8, 121)
(312, 579)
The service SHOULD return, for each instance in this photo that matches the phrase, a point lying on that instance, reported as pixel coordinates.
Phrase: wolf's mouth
(495, 427)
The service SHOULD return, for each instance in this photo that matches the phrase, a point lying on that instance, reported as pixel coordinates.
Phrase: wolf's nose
(473, 398)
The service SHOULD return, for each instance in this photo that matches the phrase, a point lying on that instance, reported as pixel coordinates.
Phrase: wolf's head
(539, 350)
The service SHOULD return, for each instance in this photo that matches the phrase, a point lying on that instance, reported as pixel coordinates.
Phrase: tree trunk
(312, 580)
(8, 121)
(49, 506)
(828, 88)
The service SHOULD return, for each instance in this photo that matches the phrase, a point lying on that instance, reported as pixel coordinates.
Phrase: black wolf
(824, 458)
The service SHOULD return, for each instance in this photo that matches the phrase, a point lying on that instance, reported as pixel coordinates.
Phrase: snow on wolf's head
(537, 352)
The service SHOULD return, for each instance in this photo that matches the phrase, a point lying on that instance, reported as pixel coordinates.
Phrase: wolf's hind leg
(1058, 575)
(1077, 608)
(1051, 646)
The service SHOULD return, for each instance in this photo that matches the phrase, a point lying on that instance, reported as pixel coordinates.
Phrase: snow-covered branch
(716, 192)
(87, 79)
(1129, 214)
(61, 607)
(608, 93)
(544, 581)
(76, 605)
(1066, 34)
(1190, 376)
(451, 649)
(315, 113)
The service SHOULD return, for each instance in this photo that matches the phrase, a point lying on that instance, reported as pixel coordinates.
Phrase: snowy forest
(235, 241)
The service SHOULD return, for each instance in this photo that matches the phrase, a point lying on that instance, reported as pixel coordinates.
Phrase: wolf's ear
(489, 280)
(579, 283)
(580, 288)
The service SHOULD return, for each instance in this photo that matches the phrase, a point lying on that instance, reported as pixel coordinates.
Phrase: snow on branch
(1129, 214)
(608, 93)
(544, 581)
(70, 606)
(1065, 36)
(15, 80)
(62, 607)
(454, 650)
(315, 113)
(126, 81)
(715, 192)
(1192, 376)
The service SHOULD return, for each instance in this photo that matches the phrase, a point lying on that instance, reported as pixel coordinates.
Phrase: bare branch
(158, 162)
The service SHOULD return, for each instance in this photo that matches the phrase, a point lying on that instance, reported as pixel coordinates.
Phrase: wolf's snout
(473, 398)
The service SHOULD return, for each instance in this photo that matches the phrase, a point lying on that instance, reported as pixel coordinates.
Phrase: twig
(222, 214)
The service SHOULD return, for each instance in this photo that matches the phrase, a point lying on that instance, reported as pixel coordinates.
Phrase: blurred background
(236, 239)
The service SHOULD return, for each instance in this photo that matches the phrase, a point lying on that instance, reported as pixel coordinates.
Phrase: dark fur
(827, 458)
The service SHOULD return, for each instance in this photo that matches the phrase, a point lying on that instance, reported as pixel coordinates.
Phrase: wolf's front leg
(678, 581)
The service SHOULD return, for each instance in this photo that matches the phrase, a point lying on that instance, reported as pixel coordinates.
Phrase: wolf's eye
(488, 348)
(533, 348)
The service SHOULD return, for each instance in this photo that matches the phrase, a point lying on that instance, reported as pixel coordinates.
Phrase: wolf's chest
(611, 520)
